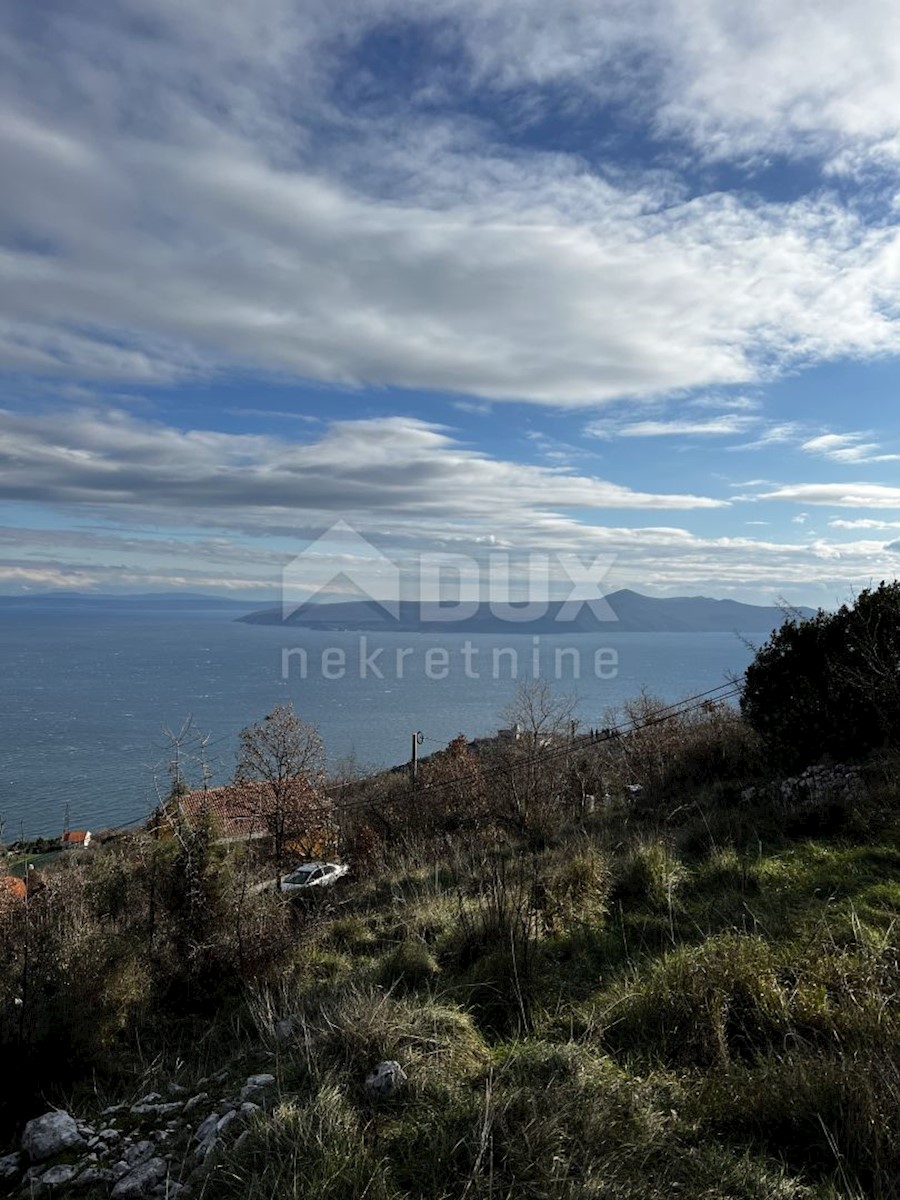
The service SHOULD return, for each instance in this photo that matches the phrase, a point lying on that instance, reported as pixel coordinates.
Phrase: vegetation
(287, 756)
(630, 968)
(830, 685)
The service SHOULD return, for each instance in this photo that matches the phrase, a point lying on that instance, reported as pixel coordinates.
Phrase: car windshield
(303, 875)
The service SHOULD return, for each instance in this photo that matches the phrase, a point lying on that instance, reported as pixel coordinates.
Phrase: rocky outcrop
(158, 1146)
(816, 787)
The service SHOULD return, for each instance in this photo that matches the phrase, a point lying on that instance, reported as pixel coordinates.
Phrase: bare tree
(286, 755)
(542, 715)
(532, 797)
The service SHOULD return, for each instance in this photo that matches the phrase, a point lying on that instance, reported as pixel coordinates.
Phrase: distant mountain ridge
(167, 601)
(636, 613)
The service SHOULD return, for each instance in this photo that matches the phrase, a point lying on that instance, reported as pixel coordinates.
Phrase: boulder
(225, 1122)
(49, 1135)
(159, 1112)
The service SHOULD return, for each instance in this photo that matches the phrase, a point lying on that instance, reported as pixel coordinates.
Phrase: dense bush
(830, 684)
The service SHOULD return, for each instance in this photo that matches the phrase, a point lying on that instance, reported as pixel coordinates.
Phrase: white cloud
(372, 470)
(838, 495)
(197, 199)
(847, 448)
(863, 523)
(407, 485)
(815, 77)
(774, 435)
(713, 427)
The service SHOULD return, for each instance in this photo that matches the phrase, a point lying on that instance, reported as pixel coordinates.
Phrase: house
(74, 839)
(251, 811)
(510, 735)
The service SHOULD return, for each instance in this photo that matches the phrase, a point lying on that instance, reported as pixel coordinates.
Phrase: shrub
(830, 684)
(574, 889)
(411, 964)
(317, 1147)
(700, 1006)
(650, 873)
(834, 1113)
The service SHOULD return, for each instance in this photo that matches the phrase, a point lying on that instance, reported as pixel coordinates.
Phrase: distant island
(635, 613)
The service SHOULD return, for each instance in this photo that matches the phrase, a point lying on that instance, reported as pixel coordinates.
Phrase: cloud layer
(198, 187)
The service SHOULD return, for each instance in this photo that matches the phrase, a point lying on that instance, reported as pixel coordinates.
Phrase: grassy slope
(699, 1002)
(596, 1021)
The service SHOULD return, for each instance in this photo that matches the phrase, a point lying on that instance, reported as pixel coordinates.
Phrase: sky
(612, 280)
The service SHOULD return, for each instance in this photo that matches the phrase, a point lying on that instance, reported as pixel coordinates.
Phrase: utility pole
(417, 739)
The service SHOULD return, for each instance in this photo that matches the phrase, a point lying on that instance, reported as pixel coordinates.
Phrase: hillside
(643, 969)
(634, 613)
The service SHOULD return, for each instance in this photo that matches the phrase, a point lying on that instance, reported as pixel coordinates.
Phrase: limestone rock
(256, 1086)
(138, 1153)
(386, 1080)
(226, 1121)
(11, 1165)
(206, 1129)
(194, 1103)
(59, 1176)
(49, 1135)
(94, 1177)
(141, 1180)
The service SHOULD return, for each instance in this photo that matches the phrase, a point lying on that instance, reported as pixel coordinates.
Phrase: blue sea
(86, 696)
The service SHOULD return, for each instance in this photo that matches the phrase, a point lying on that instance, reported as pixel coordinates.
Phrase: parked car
(313, 875)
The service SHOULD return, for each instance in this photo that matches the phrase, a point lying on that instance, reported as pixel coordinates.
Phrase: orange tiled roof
(76, 837)
(241, 809)
(13, 888)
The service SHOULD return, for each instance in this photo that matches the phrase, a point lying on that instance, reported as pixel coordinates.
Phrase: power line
(693, 703)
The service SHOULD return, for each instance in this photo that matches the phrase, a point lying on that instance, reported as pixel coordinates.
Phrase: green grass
(635, 1010)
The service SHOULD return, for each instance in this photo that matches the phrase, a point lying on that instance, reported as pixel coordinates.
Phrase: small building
(513, 734)
(75, 839)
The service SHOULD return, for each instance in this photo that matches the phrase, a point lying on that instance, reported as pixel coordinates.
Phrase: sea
(92, 702)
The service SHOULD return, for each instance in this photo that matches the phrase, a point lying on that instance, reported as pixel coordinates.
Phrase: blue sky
(611, 280)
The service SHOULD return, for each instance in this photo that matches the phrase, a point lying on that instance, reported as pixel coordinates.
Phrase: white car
(313, 875)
